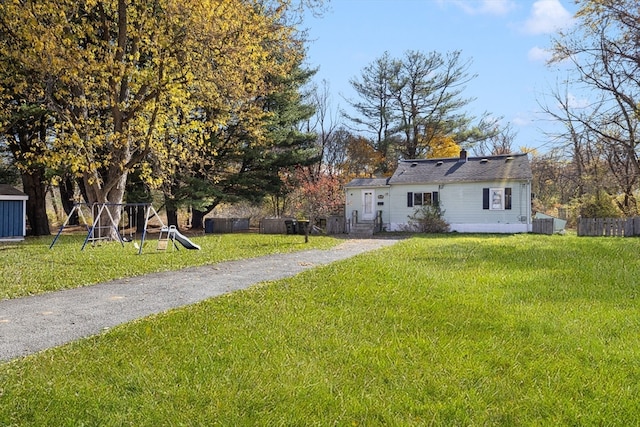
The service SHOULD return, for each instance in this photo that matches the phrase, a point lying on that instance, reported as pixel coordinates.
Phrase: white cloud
(522, 120)
(538, 54)
(547, 16)
(483, 7)
(575, 102)
(496, 7)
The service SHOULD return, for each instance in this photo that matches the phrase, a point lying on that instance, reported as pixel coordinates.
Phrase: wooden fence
(225, 225)
(620, 227)
(331, 224)
(273, 225)
(542, 226)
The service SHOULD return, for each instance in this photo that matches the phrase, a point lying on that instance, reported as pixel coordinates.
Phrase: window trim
(497, 198)
(433, 198)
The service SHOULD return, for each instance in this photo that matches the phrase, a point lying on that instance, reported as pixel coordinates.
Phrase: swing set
(105, 227)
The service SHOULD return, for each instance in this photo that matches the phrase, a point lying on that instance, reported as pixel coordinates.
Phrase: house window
(422, 199)
(496, 199)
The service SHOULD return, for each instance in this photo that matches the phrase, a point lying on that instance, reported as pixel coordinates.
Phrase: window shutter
(435, 198)
(409, 199)
(507, 198)
(485, 198)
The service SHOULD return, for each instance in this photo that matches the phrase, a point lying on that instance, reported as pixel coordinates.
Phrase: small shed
(13, 213)
(558, 224)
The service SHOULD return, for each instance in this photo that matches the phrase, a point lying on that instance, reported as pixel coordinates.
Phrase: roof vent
(508, 159)
(439, 163)
(414, 164)
(484, 160)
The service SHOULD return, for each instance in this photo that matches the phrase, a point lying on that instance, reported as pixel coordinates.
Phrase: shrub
(600, 205)
(428, 219)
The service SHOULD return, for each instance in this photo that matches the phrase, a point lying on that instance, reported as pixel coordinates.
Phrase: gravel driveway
(32, 324)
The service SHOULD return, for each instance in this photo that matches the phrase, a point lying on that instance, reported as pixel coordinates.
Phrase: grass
(30, 267)
(451, 330)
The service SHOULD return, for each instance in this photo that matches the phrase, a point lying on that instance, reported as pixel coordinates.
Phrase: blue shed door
(11, 218)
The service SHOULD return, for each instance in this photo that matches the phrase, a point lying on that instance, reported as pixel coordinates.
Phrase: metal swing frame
(97, 226)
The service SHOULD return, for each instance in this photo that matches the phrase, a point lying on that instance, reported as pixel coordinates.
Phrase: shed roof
(11, 192)
(367, 182)
(460, 169)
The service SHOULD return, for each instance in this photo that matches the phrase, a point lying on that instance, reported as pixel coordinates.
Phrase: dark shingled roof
(474, 169)
(7, 190)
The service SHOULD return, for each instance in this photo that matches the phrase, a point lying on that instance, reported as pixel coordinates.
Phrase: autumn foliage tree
(363, 159)
(318, 195)
(442, 147)
(137, 84)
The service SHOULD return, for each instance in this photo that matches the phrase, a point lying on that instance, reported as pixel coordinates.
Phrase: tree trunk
(113, 195)
(172, 215)
(197, 219)
(140, 218)
(67, 194)
(33, 185)
(137, 192)
(172, 210)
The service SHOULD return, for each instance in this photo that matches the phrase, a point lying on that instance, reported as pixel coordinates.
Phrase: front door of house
(368, 207)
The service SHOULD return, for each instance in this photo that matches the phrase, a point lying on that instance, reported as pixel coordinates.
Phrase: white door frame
(368, 205)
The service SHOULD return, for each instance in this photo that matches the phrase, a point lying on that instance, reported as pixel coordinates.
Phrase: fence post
(628, 227)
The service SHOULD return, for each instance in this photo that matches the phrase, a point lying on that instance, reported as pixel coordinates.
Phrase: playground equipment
(172, 234)
(105, 226)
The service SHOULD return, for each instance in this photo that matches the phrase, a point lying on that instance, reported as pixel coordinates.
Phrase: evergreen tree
(242, 164)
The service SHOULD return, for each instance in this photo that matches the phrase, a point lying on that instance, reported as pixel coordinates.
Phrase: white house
(489, 194)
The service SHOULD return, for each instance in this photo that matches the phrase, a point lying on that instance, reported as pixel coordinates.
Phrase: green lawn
(451, 330)
(30, 267)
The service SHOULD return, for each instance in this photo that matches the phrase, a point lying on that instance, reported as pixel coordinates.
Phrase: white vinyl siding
(400, 195)
(355, 198)
(462, 203)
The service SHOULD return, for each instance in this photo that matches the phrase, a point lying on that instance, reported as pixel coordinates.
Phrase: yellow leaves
(148, 176)
(529, 150)
(363, 158)
(182, 70)
(442, 147)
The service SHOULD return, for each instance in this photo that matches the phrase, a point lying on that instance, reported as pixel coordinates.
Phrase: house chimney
(463, 156)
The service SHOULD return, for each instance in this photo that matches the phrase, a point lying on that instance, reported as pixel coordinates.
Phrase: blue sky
(507, 40)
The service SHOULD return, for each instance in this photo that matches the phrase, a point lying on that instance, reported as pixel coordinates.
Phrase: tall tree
(417, 98)
(116, 73)
(324, 124)
(603, 53)
(25, 127)
(375, 106)
(335, 151)
(244, 160)
(25, 134)
(501, 142)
